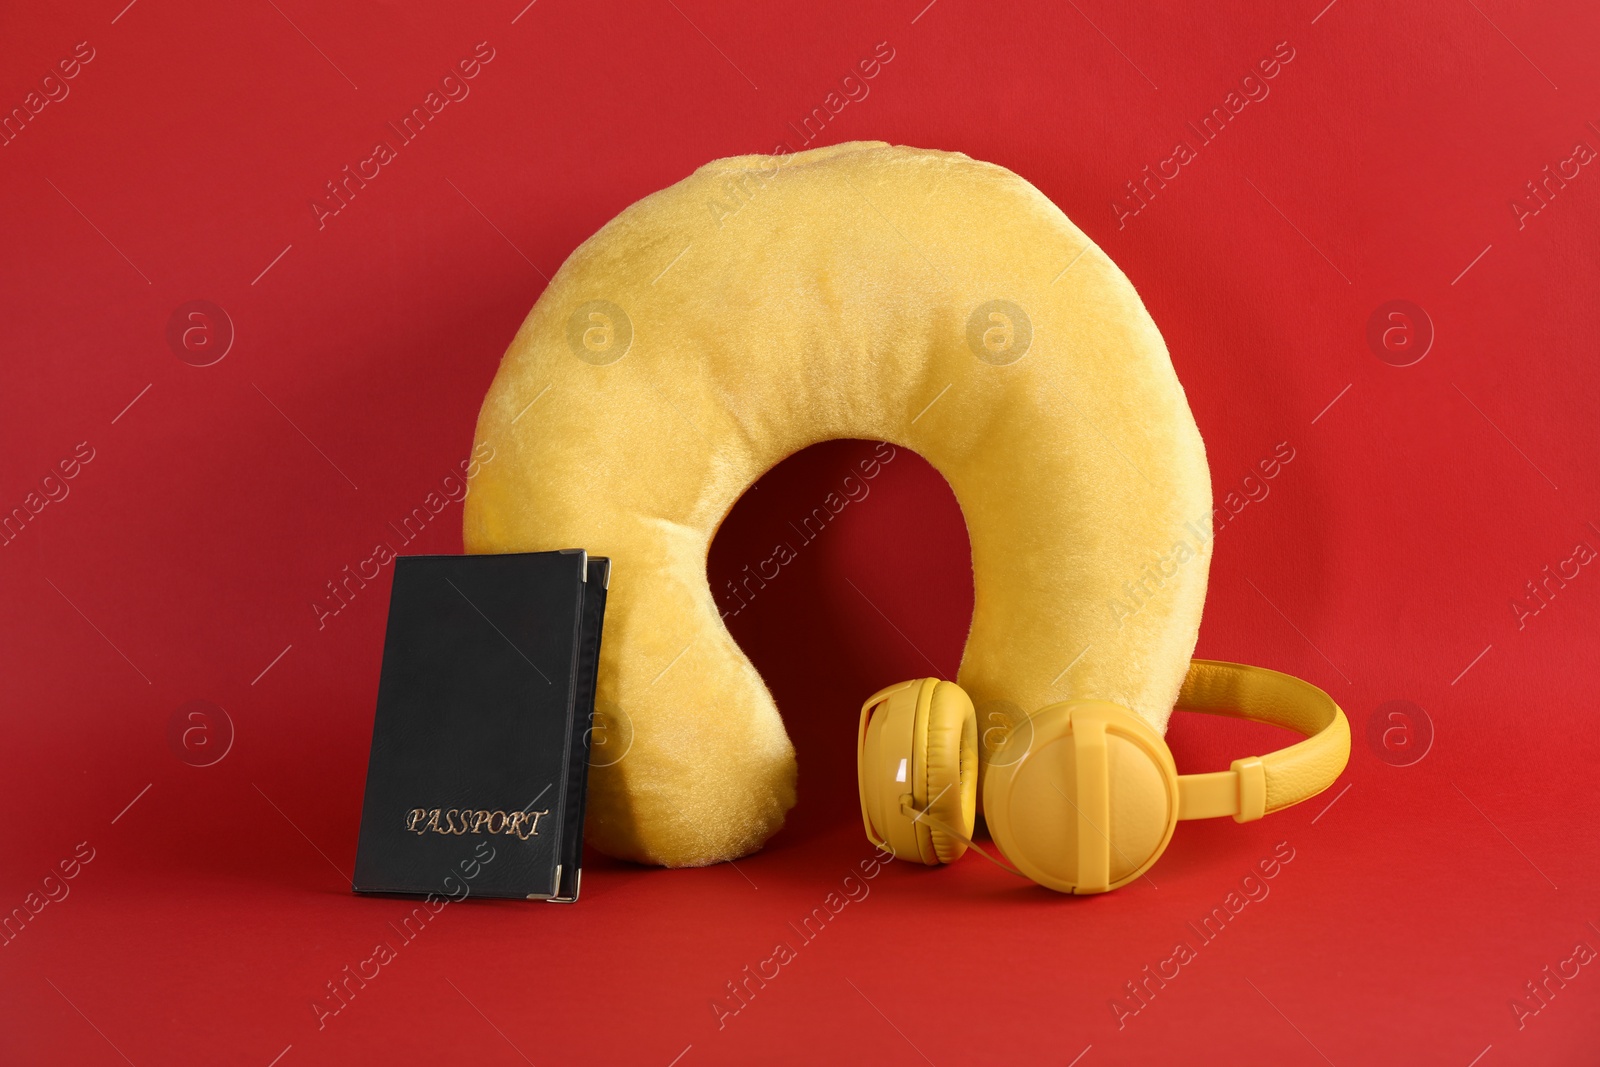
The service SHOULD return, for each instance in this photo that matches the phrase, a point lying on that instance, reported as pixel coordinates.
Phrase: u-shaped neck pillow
(764, 304)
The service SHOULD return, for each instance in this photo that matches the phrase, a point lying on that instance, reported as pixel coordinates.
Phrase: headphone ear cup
(1090, 804)
(918, 746)
(948, 787)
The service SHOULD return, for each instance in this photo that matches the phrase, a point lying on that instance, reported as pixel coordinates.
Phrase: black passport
(479, 759)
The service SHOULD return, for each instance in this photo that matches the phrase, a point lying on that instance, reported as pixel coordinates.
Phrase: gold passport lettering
(521, 824)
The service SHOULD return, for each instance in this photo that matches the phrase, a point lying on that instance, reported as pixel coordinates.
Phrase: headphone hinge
(1252, 775)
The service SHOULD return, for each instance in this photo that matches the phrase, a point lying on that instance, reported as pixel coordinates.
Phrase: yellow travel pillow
(764, 304)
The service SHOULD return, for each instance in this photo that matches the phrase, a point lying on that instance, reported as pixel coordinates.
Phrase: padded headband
(1258, 785)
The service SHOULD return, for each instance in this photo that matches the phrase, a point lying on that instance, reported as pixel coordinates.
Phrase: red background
(1382, 564)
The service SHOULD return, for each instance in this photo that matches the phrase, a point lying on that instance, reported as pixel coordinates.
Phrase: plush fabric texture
(764, 304)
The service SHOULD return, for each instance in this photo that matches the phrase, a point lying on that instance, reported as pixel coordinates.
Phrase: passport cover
(479, 759)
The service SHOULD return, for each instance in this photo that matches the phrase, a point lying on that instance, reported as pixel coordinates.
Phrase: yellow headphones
(1086, 799)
